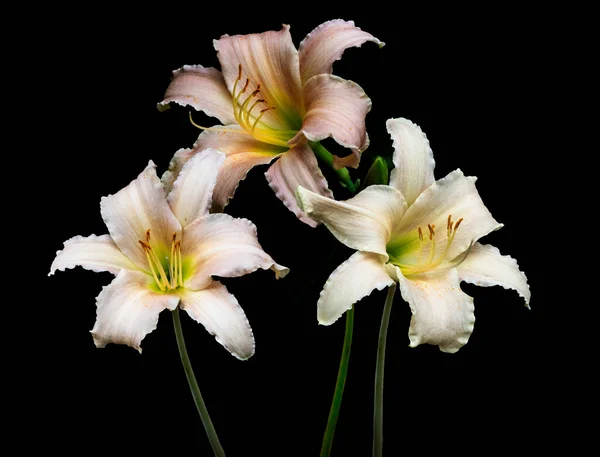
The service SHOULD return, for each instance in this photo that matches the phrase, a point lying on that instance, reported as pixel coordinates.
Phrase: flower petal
(242, 153)
(454, 195)
(326, 44)
(354, 279)
(202, 88)
(222, 316)
(363, 222)
(485, 266)
(191, 196)
(271, 60)
(443, 314)
(224, 246)
(297, 167)
(128, 309)
(96, 253)
(137, 208)
(413, 159)
(336, 108)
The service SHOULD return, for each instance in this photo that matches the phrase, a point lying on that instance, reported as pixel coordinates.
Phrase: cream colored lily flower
(163, 250)
(420, 233)
(272, 100)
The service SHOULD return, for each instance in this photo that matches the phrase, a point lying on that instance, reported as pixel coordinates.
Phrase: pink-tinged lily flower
(421, 233)
(163, 250)
(272, 100)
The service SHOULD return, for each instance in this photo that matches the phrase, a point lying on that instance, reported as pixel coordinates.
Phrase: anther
(457, 224)
(239, 72)
(431, 230)
(245, 86)
(420, 234)
(148, 236)
(449, 226)
(264, 110)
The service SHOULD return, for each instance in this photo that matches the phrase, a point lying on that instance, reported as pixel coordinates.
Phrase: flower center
(169, 276)
(425, 258)
(249, 107)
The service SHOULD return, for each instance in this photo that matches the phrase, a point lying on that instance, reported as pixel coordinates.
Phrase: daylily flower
(272, 99)
(164, 250)
(421, 233)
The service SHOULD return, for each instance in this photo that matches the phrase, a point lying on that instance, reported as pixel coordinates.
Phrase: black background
(473, 80)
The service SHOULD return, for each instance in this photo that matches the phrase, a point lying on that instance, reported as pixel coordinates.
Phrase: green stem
(378, 406)
(187, 366)
(342, 173)
(334, 412)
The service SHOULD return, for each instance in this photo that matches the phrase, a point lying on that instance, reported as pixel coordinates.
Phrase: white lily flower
(163, 250)
(421, 233)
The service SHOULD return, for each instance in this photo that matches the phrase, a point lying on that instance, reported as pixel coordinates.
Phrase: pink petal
(326, 44)
(336, 108)
(202, 88)
(297, 167)
(271, 60)
(242, 153)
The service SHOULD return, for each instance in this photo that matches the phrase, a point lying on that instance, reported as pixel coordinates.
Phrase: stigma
(428, 258)
(167, 275)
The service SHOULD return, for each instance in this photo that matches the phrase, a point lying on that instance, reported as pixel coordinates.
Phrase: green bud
(378, 173)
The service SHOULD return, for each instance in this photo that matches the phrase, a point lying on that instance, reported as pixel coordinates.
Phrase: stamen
(179, 264)
(431, 230)
(239, 78)
(148, 236)
(245, 86)
(217, 129)
(262, 113)
(432, 261)
(147, 250)
(171, 262)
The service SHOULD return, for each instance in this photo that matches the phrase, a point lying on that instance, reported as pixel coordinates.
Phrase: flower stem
(187, 366)
(378, 406)
(334, 412)
(342, 173)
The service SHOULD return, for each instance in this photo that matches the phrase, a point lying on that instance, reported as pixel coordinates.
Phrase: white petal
(297, 167)
(413, 159)
(128, 309)
(443, 314)
(192, 190)
(224, 246)
(363, 222)
(137, 208)
(222, 316)
(96, 253)
(485, 266)
(354, 279)
(454, 195)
